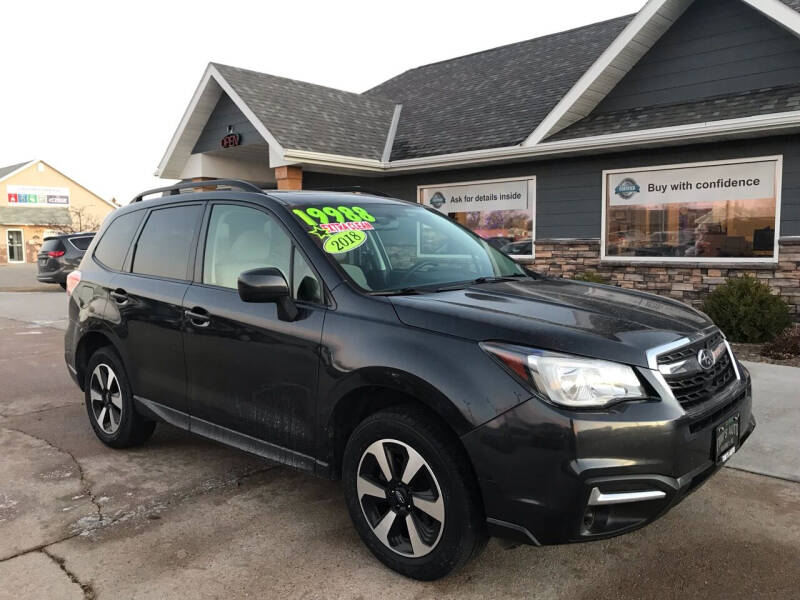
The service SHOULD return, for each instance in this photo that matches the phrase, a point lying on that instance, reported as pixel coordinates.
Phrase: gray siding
(569, 191)
(717, 47)
(226, 113)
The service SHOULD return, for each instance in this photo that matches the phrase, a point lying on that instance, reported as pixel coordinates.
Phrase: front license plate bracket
(726, 438)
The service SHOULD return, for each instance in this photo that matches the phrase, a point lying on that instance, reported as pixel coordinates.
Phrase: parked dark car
(455, 394)
(60, 255)
(522, 247)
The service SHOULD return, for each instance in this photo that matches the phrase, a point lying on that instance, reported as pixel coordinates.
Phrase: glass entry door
(16, 249)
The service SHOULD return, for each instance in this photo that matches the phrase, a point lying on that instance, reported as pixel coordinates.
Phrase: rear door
(252, 377)
(148, 296)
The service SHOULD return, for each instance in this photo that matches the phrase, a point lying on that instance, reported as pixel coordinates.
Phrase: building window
(16, 245)
(501, 211)
(724, 211)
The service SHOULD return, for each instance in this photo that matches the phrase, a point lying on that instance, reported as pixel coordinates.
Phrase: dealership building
(37, 200)
(659, 149)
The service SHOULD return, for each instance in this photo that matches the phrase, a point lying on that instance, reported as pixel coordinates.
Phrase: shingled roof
(509, 98)
(492, 98)
(305, 116)
(757, 102)
(11, 168)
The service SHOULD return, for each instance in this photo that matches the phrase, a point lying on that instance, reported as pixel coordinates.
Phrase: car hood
(561, 315)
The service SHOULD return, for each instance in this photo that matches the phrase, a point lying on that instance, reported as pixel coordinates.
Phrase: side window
(116, 240)
(240, 239)
(81, 243)
(306, 286)
(165, 243)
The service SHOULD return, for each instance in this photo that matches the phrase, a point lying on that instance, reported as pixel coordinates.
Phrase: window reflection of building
(501, 228)
(743, 228)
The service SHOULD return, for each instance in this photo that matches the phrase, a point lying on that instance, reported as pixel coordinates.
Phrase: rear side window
(116, 240)
(81, 243)
(52, 244)
(166, 241)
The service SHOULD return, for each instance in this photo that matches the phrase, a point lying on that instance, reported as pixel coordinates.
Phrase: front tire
(412, 495)
(109, 402)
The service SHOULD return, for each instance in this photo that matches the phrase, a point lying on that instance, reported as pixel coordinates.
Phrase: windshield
(396, 248)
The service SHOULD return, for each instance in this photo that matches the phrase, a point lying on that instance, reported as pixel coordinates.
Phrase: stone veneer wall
(688, 282)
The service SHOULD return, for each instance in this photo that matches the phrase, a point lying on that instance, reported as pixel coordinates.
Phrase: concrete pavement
(181, 517)
(22, 278)
(775, 447)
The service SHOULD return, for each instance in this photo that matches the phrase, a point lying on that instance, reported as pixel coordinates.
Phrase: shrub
(746, 311)
(590, 276)
(786, 345)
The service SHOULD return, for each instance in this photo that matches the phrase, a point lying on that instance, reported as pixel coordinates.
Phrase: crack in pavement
(86, 487)
(100, 522)
(88, 591)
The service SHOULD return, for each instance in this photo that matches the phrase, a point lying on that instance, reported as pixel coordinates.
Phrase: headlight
(569, 381)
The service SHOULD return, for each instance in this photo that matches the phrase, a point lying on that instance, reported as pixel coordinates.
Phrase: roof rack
(175, 190)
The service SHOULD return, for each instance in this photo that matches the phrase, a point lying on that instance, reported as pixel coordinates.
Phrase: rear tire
(63, 284)
(425, 519)
(109, 402)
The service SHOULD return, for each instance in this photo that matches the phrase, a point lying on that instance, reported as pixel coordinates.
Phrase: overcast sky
(97, 88)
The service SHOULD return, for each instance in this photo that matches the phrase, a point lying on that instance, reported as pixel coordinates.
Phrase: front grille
(690, 350)
(694, 389)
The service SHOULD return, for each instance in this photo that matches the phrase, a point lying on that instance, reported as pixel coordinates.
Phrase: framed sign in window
(721, 211)
(501, 211)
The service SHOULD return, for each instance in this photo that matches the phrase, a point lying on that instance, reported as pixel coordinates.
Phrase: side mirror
(268, 285)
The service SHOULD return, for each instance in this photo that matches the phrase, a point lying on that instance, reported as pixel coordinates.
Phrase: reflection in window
(713, 229)
(508, 230)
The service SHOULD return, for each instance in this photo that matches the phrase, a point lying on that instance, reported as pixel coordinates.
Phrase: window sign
(501, 211)
(720, 211)
(35, 195)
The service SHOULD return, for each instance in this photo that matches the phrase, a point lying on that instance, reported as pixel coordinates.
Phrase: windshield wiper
(479, 280)
(410, 291)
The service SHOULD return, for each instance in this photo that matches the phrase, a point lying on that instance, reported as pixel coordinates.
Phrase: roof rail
(175, 190)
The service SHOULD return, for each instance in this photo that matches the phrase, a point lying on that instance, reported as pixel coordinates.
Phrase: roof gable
(304, 116)
(717, 47)
(641, 34)
(492, 98)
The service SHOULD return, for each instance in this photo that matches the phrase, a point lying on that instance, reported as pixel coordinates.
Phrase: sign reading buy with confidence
(744, 180)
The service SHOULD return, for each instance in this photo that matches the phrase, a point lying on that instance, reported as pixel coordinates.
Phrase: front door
(252, 377)
(16, 247)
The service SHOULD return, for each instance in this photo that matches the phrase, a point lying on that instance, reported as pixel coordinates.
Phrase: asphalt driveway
(181, 517)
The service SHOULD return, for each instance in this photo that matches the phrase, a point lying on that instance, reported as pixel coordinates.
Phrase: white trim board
(677, 260)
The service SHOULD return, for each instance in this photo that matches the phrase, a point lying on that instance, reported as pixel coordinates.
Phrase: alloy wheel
(400, 498)
(106, 398)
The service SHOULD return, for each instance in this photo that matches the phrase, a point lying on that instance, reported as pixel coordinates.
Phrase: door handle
(199, 317)
(119, 296)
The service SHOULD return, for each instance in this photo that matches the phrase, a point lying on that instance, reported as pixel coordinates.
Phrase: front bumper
(552, 476)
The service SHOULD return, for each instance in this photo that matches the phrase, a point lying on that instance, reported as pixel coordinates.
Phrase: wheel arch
(374, 390)
(90, 342)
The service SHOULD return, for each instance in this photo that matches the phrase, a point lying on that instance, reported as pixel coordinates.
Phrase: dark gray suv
(60, 255)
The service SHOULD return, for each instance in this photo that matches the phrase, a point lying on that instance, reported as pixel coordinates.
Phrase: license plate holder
(726, 438)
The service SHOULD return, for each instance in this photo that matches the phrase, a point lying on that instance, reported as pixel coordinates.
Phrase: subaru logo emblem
(706, 359)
